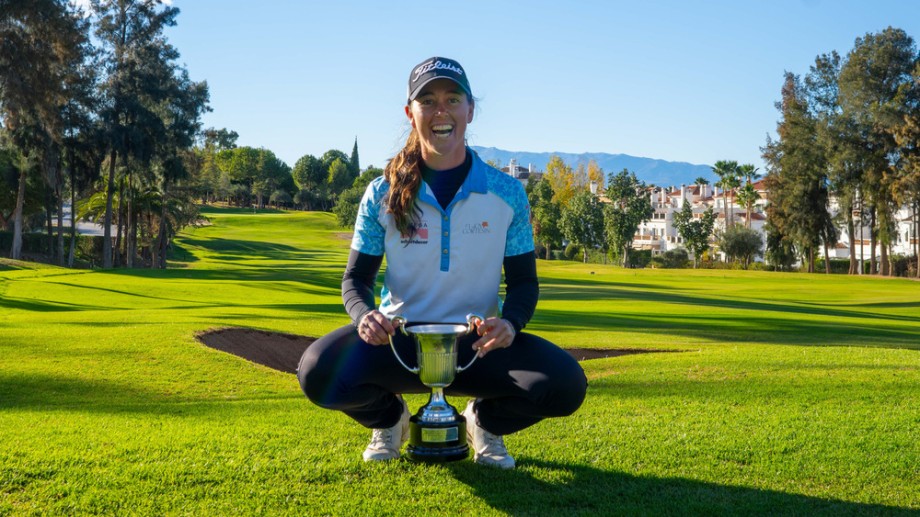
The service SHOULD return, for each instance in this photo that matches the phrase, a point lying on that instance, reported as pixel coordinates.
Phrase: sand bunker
(282, 351)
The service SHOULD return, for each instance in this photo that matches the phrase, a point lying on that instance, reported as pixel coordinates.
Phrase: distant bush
(639, 259)
(672, 259)
(838, 266)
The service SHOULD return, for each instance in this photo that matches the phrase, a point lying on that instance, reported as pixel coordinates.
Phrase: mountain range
(649, 170)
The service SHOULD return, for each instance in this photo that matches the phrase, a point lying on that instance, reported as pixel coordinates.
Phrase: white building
(659, 235)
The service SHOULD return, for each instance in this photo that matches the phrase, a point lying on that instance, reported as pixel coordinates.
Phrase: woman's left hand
(495, 333)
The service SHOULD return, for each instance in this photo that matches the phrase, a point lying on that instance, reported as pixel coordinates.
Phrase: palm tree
(747, 196)
(728, 173)
(749, 173)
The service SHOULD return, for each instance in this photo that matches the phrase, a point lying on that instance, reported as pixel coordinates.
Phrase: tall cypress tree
(353, 163)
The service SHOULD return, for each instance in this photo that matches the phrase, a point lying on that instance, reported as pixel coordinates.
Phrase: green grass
(794, 394)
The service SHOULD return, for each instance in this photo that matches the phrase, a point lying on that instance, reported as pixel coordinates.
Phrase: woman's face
(440, 114)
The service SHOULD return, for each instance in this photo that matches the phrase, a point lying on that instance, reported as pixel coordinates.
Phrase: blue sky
(688, 81)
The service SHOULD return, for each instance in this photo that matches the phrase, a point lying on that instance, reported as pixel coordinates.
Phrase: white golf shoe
(489, 449)
(386, 443)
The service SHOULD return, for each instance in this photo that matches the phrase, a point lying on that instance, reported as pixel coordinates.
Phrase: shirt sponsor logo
(476, 228)
(417, 235)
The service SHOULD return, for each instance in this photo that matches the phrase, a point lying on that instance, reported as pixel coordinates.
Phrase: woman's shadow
(563, 489)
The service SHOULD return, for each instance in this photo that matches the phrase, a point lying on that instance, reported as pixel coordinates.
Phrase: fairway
(788, 394)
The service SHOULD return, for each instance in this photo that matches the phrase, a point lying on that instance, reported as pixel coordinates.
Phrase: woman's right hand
(375, 329)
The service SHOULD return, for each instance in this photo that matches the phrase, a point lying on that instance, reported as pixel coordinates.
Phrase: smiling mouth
(442, 130)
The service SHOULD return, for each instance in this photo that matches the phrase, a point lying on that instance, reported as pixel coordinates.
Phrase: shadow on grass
(662, 328)
(38, 391)
(581, 290)
(583, 490)
(45, 306)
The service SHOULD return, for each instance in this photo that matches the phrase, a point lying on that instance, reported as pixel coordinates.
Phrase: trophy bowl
(437, 433)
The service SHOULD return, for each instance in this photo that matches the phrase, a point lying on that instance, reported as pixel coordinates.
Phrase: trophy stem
(437, 397)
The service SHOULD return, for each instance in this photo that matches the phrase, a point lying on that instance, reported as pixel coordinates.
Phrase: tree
(871, 83)
(310, 177)
(583, 222)
(728, 173)
(741, 244)
(219, 139)
(138, 63)
(40, 43)
(841, 145)
(339, 177)
(346, 206)
(546, 216)
(907, 136)
(562, 179)
(701, 181)
(797, 178)
(747, 196)
(596, 175)
(354, 163)
(695, 232)
(630, 206)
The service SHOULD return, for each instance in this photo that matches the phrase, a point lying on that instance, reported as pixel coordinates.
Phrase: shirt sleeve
(520, 232)
(370, 235)
(522, 289)
(358, 284)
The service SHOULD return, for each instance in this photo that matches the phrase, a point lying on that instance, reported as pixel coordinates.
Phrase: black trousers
(519, 385)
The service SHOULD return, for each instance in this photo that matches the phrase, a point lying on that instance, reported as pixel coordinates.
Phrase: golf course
(761, 392)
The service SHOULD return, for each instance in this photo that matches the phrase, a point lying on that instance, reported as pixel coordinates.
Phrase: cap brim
(414, 93)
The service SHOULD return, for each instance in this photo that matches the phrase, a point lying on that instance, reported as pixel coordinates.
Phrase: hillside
(649, 170)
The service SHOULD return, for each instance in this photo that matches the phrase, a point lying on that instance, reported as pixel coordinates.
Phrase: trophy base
(437, 442)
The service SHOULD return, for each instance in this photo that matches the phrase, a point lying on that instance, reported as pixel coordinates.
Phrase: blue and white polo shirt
(452, 265)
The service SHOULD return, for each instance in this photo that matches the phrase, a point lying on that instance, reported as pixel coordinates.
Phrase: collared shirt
(451, 265)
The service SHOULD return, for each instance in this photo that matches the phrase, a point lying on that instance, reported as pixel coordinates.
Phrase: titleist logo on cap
(436, 65)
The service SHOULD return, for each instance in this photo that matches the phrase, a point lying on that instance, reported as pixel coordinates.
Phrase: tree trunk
(16, 251)
(811, 259)
(883, 259)
(73, 216)
(130, 230)
(120, 224)
(49, 221)
(548, 255)
(161, 240)
(827, 258)
(59, 196)
(850, 229)
(107, 223)
(873, 267)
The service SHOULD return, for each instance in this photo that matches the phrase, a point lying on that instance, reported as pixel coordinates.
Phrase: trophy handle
(400, 322)
(473, 320)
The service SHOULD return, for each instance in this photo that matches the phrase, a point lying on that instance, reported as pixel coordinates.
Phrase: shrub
(672, 259)
(639, 259)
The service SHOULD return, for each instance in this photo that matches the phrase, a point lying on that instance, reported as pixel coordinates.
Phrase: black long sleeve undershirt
(521, 286)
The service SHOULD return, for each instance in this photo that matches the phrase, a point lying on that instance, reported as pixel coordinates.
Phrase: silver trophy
(437, 433)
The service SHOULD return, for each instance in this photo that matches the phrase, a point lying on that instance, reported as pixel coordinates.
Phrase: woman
(448, 224)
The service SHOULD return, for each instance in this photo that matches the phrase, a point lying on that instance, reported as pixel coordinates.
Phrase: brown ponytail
(404, 175)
